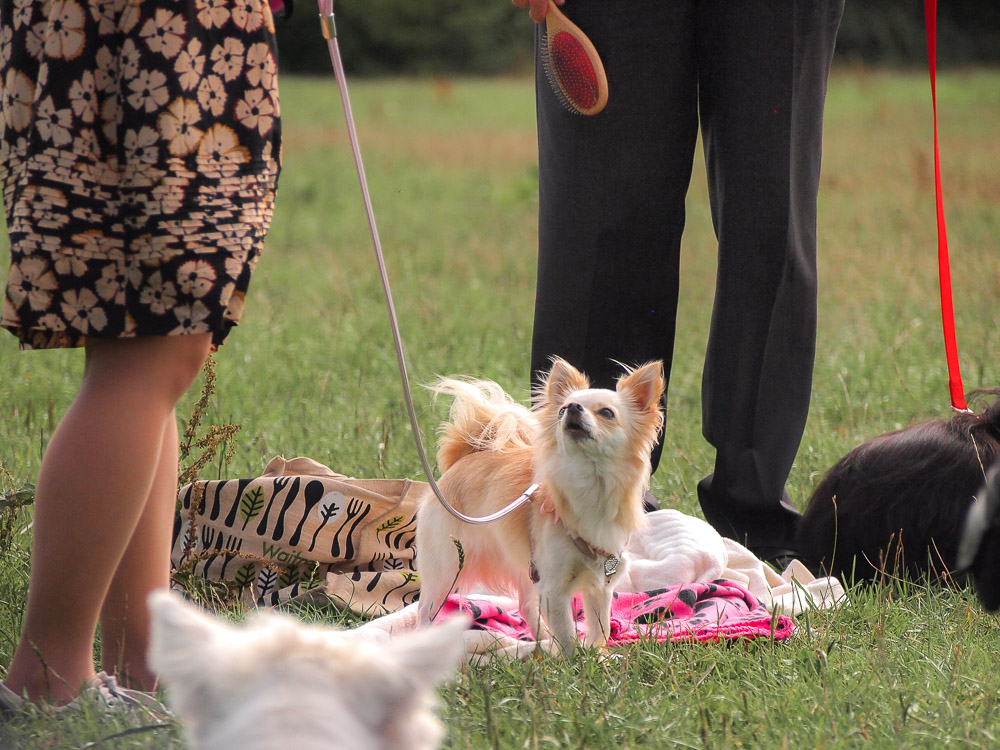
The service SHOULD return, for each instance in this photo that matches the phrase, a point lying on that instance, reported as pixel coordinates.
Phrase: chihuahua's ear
(644, 386)
(562, 380)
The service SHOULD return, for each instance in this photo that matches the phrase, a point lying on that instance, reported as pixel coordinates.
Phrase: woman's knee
(190, 359)
(166, 365)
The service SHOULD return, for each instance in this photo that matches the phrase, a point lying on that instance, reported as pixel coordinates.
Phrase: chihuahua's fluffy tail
(483, 418)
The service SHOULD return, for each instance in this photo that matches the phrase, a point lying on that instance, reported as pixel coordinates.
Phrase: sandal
(101, 691)
(10, 701)
(104, 691)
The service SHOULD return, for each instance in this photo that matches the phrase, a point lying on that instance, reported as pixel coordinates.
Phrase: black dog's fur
(896, 503)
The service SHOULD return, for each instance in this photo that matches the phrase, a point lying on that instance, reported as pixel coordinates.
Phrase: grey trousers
(612, 188)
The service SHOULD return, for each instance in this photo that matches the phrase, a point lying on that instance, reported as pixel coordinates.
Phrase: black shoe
(768, 533)
(650, 503)
(778, 558)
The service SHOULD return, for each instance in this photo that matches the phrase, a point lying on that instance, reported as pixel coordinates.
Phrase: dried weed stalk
(12, 500)
(216, 439)
(215, 436)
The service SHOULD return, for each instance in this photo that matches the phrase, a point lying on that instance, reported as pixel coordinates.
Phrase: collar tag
(611, 565)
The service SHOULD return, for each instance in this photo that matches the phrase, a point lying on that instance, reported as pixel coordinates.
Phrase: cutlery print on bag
(398, 531)
(279, 484)
(241, 484)
(353, 511)
(312, 493)
(279, 527)
(216, 502)
(233, 546)
(216, 544)
(275, 536)
(210, 540)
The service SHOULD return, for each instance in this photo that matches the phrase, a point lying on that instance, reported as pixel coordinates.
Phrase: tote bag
(299, 530)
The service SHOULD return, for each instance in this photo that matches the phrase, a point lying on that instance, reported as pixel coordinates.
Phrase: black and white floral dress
(139, 153)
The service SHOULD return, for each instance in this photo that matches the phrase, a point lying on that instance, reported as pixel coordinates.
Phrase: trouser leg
(762, 70)
(611, 194)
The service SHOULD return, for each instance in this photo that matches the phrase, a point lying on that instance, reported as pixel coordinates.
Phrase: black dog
(896, 504)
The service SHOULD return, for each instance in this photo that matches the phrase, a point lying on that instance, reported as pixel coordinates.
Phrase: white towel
(674, 548)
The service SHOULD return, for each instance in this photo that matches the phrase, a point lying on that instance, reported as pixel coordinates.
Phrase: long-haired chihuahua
(588, 450)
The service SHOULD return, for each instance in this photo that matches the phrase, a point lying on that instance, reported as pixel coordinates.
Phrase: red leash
(944, 268)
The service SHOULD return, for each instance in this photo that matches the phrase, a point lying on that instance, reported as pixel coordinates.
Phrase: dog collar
(611, 560)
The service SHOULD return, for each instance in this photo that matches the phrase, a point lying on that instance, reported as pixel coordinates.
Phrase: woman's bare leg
(97, 477)
(144, 567)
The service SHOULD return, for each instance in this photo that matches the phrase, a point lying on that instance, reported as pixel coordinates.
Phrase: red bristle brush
(572, 65)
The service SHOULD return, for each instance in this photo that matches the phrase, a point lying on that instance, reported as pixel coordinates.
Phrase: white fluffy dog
(277, 682)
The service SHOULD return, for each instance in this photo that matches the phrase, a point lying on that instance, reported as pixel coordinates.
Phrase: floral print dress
(139, 155)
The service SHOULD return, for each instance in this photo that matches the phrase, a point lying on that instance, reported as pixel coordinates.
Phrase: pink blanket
(699, 611)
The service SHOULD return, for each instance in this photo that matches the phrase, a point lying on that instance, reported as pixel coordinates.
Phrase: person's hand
(536, 8)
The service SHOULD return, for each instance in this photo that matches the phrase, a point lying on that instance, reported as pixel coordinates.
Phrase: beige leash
(330, 34)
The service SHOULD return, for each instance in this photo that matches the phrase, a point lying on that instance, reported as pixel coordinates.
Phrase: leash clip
(328, 25)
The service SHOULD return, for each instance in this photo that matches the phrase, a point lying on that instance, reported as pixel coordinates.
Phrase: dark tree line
(482, 37)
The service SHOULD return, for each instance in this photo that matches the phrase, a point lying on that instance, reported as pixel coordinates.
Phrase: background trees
(481, 37)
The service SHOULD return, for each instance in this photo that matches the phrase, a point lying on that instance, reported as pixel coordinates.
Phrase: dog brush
(572, 65)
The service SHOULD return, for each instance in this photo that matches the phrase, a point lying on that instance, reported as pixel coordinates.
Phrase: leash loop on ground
(329, 29)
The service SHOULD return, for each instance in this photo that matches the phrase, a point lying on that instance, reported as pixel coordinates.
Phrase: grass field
(451, 164)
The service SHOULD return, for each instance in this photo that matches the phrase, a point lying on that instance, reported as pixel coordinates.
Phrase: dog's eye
(607, 413)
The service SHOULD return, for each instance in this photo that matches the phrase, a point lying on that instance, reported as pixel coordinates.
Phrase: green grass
(311, 371)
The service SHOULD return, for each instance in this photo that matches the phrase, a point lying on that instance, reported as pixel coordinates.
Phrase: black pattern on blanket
(700, 611)
(720, 610)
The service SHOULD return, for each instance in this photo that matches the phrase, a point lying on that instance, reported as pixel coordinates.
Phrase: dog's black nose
(573, 419)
